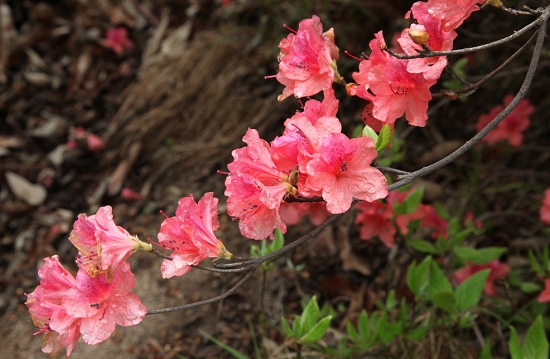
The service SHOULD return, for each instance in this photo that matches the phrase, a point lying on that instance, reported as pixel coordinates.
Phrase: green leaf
(479, 256)
(418, 276)
(486, 352)
(535, 265)
(385, 330)
(417, 333)
(369, 132)
(422, 246)
(469, 292)
(278, 242)
(410, 203)
(383, 138)
(352, 333)
(363, 325)
(445, 301)
(286, 328)
(390, 300)
(530, 287)
(237, 354)
(438, 281)
(535, 345)
(310, 315)
(317, 331)
(515, 348)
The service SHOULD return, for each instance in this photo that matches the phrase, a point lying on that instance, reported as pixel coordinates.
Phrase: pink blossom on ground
(544, 296)
(452, 12)
(101, 302)
(307, 62)
(255, 188)
(511, 128)
(102, 245)
(117, 40)
(190, 235)
(545, 208)
(498, 269)
(129, 194)
(94, 142)
(342, 172)
(375, 219)
(45, 306)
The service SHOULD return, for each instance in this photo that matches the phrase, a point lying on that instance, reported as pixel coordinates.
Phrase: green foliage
(267, 247)
(369, 132)
(237, 354)
(410, 203)
(393, 154)
(479, 256)
(535, 344)
(383, 139)
(458, 67)
(308, 327)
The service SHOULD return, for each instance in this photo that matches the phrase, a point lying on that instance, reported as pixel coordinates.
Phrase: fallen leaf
(32, 194)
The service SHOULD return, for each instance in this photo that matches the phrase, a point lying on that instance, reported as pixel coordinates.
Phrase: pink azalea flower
(45, 305)
(511, 128)
(439, 40)
(102, 244)
(65, 308)
(190, 235)
(342, 172)
(545, 208)
(498, 269)
(117, 40)
(375, 219)
(256, 187)
(452, 12)
(396, 90)
(307, 60)
(544, 296)
(101, 302)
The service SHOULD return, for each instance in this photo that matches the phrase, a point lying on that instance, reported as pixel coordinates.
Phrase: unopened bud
(451, 95)
(419, 36)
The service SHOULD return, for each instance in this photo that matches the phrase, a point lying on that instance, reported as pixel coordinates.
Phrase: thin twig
(424, 53)
(207, 301)
(406, 179)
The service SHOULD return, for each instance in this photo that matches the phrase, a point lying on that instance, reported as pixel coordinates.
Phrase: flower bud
(419, 36)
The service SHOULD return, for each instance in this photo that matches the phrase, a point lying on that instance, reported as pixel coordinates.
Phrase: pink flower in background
(498, 269)
(375, 219)
(511, 128)
(103, 301)
(342, 172)
(291, 213)
(307, 62)
(117, 39)
(102, 245)
(379, 219)
(45, 307)
(545, 208)
(544, 296)
(190, 235)
(452, 12)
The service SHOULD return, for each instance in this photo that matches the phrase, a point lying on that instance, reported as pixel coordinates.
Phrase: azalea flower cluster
(64, 307)
(396, 86)
(312, 159)
(378, 219)
(393, 86)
